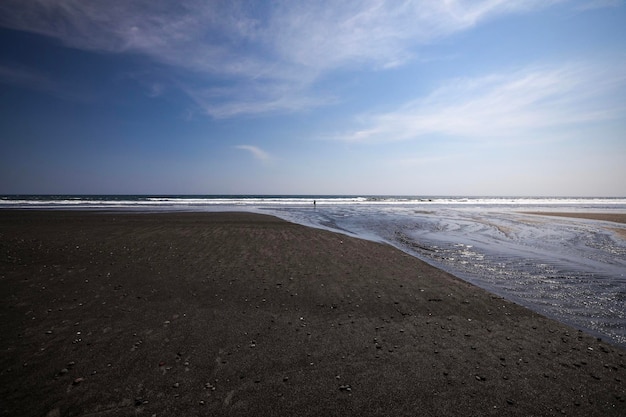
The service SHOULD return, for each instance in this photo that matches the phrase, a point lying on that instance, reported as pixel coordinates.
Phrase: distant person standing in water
(314, 203)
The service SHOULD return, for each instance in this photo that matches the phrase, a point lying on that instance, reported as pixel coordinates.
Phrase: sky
(396, 97)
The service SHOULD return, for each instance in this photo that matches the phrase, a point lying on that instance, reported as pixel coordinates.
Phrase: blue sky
(424, 97)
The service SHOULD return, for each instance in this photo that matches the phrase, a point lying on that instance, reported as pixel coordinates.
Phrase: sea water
(570, 269)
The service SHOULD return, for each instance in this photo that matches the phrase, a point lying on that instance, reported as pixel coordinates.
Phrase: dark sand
(239, 314)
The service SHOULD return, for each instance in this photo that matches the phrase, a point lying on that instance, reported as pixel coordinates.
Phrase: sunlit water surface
(573, 270)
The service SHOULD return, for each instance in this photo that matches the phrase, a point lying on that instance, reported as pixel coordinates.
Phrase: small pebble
(54, 413)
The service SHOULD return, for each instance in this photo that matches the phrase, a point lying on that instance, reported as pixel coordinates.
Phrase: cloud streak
(503, 105)
(35, 80)
(256, 152)
(17, 75)
(268, 55)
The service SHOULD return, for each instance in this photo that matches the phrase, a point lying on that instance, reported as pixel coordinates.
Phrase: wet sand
(607, 217)
(241, 314)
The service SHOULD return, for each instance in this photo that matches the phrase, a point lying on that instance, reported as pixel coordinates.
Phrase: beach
(607, 217)
(116, 314)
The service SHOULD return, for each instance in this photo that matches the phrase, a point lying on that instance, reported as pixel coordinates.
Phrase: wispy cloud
(255, 98)
(325, 35)
(32, 79)
(26, 77)
(315, 35)
(280, 48)
(503, 105)
(257, 152)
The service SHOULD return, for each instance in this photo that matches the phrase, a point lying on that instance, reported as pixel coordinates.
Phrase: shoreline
(239, 313)
(607, 217)
(619, 218)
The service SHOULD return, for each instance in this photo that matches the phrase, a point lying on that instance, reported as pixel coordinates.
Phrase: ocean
(569, 269)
